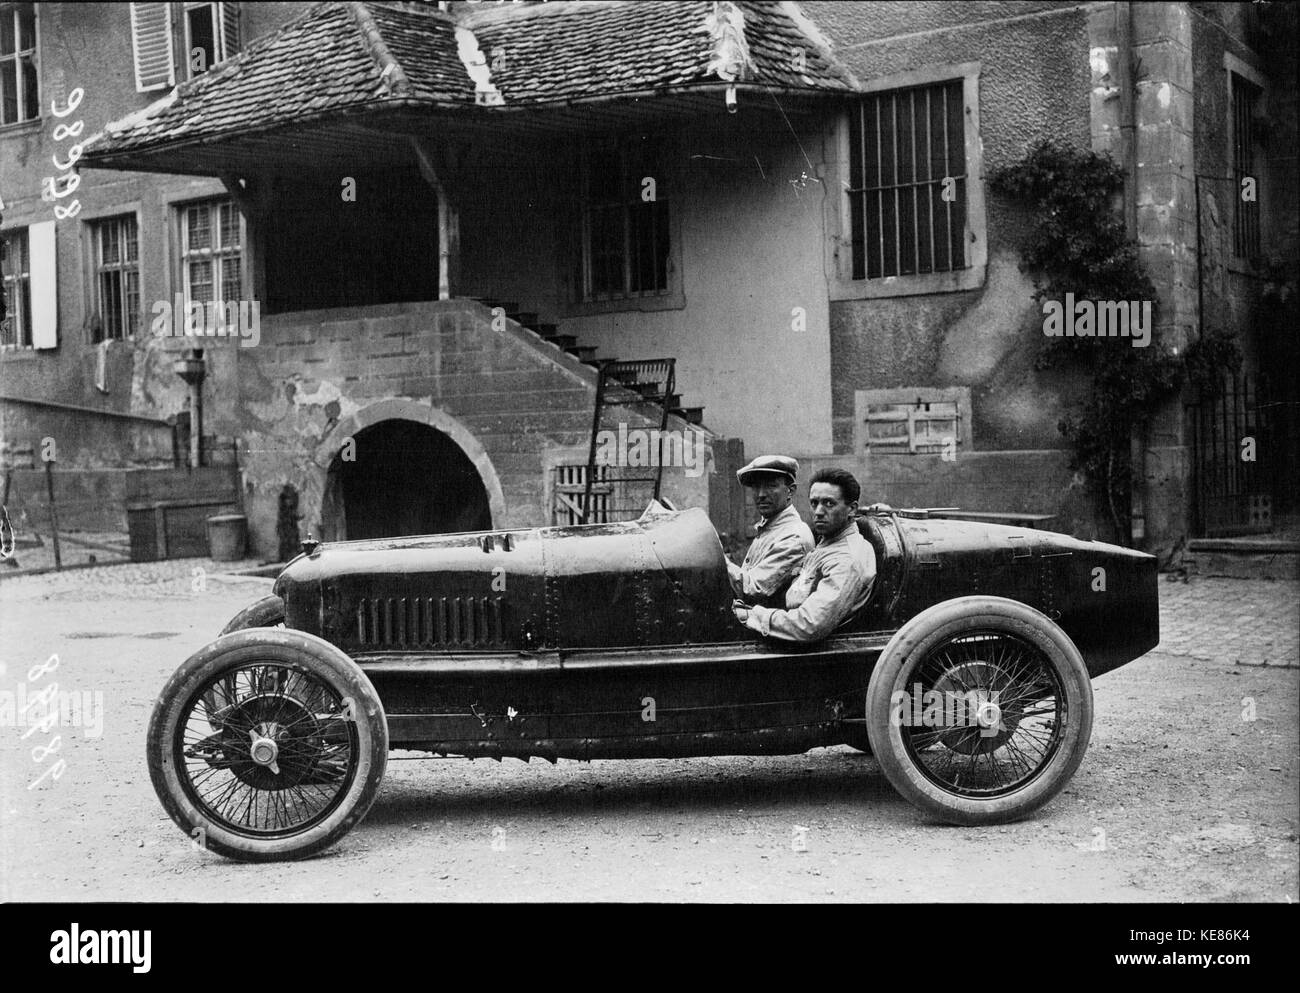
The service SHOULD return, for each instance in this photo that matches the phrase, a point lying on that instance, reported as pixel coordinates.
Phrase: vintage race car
(967, 673)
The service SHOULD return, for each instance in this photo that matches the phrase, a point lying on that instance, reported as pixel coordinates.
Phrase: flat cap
(768, 465)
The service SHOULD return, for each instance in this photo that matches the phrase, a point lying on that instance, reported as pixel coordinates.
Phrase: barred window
(211, 246)
(15, 268)
(117, 278)
(622, 241)
(1245, 227)
(907, 194)
(19, 92)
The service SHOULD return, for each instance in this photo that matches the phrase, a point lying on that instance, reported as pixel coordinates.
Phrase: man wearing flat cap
(782, 539)
(836, 579)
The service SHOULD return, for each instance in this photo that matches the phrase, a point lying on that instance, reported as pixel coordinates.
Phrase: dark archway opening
(407, 479)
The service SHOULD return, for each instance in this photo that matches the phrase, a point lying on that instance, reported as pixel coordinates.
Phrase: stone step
(1254, 557)
(691, 415)
(564, 341)
(525, 317)
(583, 353)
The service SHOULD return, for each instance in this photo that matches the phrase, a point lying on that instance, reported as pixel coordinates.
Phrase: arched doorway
(404, 478)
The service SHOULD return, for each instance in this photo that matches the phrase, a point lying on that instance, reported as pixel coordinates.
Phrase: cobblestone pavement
(1189, 790)
(1231, 620)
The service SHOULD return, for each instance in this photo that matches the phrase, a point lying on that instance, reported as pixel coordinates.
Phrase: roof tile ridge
(810, 30)
(494, 15)
(392, 76)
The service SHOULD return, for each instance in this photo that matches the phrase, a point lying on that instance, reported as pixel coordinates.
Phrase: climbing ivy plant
(1076, 243)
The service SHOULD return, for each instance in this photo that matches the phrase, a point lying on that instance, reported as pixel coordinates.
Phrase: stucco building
(445, 212)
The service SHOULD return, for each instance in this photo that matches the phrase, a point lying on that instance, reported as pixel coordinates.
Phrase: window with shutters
(912, 204)
(211, 245)
(174, 41)
(116, 249)
(16, 270)
(211, 35)
(151, 43)
(913, 421)
(19, 90)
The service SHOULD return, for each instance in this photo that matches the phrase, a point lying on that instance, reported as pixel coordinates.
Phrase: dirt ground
(1189, 790)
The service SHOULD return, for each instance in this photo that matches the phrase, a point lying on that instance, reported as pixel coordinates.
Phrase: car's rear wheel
(267, 612)
(267, 744)
(979, 710)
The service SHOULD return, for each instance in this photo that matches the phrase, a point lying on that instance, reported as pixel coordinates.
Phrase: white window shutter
(44, 283)
(151, 41)
(229, 29)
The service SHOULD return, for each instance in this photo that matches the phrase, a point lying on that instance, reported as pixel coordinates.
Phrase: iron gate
(1235, 458)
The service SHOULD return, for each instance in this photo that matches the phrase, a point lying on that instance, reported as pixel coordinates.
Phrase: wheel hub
(979, 684)
(988, 714)
(264, 748)
(272, 742)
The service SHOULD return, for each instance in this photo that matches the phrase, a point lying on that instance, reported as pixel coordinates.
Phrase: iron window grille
(1245, 227)
(907, 148)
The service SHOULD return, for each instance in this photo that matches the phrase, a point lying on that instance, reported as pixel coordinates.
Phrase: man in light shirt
(782, 540)
(836, 578)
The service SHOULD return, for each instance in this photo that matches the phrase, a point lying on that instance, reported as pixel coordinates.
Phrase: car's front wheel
(979, 710)
(267, 744)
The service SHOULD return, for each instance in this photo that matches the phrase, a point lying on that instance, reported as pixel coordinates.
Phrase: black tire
(1033, 701)
(326, 730)
(267, 612)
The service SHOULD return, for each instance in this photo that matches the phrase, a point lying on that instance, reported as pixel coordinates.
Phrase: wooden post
(54, 513)
(254, 201)
(444, 247)
(447, 223)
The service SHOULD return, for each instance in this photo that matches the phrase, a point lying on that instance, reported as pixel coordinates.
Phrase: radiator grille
(430, 622)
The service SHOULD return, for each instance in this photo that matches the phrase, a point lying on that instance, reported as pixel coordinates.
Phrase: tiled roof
(339, 57)
(315, 63)
(576, 51)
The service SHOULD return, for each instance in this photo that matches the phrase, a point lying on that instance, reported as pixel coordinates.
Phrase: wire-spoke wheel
(979, 710)
(268, 744)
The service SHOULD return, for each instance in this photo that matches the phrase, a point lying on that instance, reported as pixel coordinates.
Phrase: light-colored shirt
(782, 543)
(834, 583)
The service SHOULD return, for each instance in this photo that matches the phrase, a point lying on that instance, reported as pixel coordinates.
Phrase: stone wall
(1033, 83)
(514, 404)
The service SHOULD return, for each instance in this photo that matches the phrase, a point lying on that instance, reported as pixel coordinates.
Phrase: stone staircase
(550, 333)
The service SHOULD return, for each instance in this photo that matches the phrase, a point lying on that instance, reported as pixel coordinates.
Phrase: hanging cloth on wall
(101, 366)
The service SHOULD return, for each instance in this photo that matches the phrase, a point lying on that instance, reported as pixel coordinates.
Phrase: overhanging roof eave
(412, 116)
